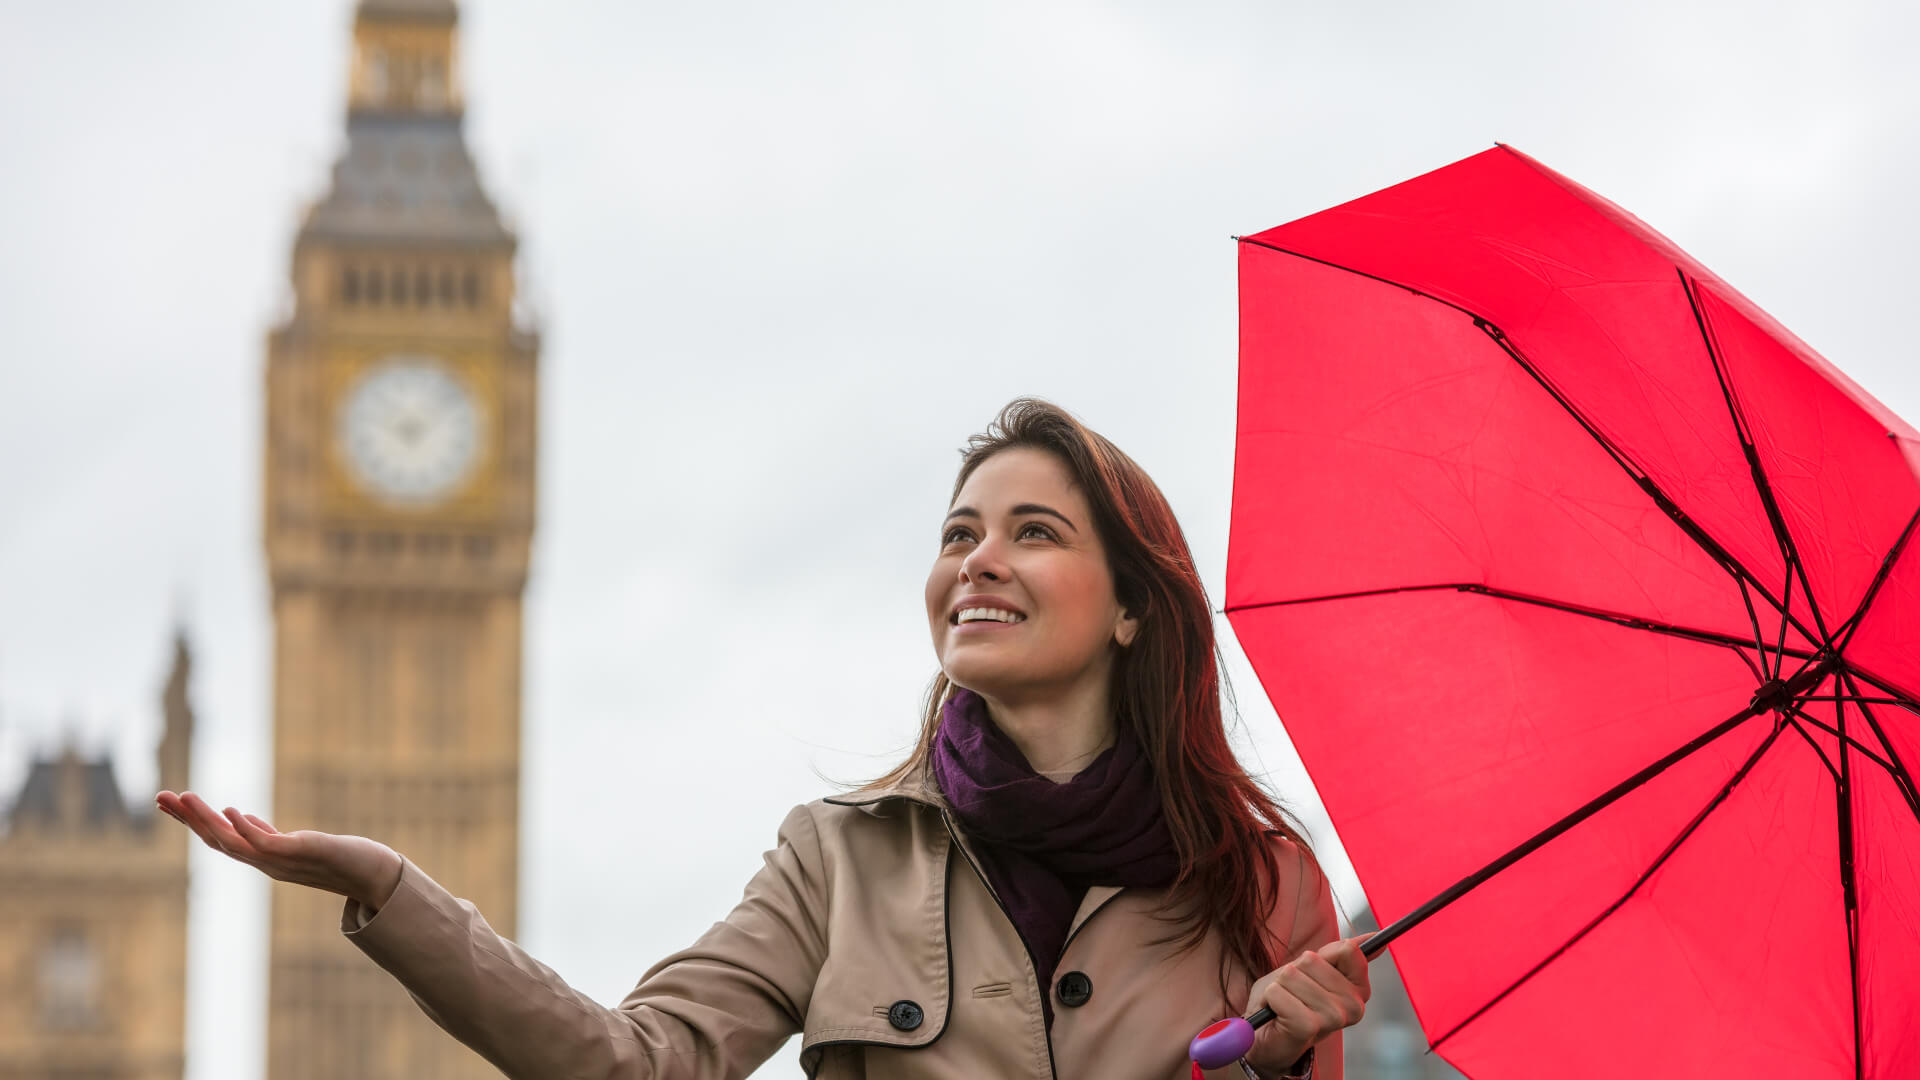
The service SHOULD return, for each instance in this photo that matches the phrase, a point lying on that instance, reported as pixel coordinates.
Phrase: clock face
(410, 430)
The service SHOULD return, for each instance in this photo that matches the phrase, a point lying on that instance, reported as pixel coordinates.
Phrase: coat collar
(917, 785)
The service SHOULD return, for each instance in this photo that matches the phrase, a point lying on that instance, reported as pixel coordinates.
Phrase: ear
(1126, 628)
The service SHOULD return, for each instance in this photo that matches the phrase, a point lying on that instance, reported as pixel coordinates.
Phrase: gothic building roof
(433, 9)
(406, 177)
(71, 792)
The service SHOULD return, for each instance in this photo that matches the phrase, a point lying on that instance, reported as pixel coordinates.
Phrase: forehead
(1021, 474)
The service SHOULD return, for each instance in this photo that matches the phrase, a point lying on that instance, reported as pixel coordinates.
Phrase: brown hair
(1166, 689)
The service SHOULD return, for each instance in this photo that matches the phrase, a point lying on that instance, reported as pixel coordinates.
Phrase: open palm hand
(354, 866)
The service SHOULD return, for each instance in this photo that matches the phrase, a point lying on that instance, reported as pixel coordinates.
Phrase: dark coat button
(905, 1015)
(1074, 989)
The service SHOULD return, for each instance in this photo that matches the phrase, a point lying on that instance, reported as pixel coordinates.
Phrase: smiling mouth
(985, 616)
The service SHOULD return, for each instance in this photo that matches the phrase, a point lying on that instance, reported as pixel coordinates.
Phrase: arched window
(470, 288)
(376, 285)
(69, 981)
(350, 285)
(422, 287)
(433, 83)
(377, 75)
(399, 286)
(446, 286)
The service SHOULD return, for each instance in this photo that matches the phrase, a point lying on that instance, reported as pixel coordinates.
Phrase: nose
(983, 563)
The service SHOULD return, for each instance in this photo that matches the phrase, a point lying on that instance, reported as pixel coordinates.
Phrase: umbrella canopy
(1543, 532)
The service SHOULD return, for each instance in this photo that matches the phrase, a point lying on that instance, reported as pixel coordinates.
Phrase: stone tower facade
(399, 510)
(93, 917)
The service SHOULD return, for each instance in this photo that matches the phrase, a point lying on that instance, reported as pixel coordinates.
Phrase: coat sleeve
(713, 1011)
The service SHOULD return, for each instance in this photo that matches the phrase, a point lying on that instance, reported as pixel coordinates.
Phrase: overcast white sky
(787, 257)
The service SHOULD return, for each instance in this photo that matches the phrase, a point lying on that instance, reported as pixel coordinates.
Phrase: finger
(1347, 958)
(255, 837)
(262, 823)
(185, 816)
(1318, 967)
(1289, 1012)
(205, 815)
(216, 830)
(1347, 999)
(1323, 990)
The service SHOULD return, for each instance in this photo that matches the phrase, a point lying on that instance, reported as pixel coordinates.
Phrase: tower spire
(176, 740)
(404, 57)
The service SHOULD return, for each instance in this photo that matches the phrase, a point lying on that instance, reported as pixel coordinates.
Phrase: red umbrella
(1578, 583)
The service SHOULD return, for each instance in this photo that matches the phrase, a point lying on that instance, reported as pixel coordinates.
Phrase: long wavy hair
(1166, 691)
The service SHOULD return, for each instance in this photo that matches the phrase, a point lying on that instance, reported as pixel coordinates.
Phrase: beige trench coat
(872, 932)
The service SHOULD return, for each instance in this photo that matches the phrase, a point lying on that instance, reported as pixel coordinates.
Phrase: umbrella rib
(1759, 639)
(1646, 483)
(1902, 776)
(1807, 676)
(1843, 817)
(1866, 700)
(1653, 490)
(1660, 860)
(1633, 622)
(1781, 535)
(1361, 273)
(1843, 802)
(1825, 762)
(1858, 746)
(1879, 578)
(1904, 699)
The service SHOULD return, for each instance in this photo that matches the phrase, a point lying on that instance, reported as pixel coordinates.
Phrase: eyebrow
(1023, 508)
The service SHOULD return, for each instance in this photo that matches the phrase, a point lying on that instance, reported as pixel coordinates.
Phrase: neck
(1058, 734)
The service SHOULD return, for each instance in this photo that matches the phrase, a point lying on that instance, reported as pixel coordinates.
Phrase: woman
(1069, 876)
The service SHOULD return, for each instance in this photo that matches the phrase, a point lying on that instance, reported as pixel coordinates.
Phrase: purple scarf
(1042, 844)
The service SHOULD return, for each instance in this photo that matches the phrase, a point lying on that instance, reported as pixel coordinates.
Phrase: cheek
(1075, 601)
(936, 590)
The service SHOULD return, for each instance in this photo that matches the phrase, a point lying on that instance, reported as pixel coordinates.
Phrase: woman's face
(1020, 538)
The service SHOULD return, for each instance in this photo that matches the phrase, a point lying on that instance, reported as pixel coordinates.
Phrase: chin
(987, 680)
(979, 678)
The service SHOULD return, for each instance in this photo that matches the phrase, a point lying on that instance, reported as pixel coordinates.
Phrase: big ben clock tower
(398, 516)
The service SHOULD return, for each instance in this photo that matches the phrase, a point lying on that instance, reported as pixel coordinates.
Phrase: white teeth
(996, 614)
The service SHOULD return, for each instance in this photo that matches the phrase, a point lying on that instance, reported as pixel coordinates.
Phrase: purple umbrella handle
(1226, 1041)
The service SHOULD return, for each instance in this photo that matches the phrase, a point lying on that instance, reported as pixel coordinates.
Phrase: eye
(957, 530)
(1044, 531)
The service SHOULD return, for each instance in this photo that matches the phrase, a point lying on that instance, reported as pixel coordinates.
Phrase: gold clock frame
(477, 368)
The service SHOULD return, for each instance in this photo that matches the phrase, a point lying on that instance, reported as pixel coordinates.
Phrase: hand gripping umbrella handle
(1227, 1041)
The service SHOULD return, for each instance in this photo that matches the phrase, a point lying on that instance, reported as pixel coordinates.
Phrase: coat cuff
(355, 916)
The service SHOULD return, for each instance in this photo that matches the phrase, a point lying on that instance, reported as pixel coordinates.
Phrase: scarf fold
(1043, 844)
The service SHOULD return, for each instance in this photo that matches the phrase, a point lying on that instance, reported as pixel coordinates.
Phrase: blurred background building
(398, 517)
(93, 916)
